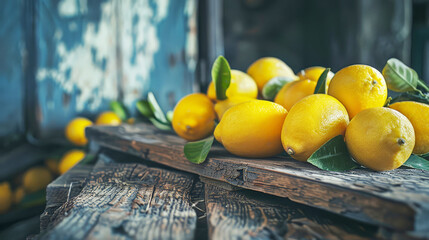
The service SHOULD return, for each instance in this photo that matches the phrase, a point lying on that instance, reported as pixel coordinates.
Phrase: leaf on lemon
(425, 156)
(399, 77)
(333, 156)
(156, 109)
(417, 162)
(221, 75)
(119, 109)
(197, 152)
(273, 86)
(169, 116)
(144, 108)
(159, 124)
(411, 96)
(321, 82)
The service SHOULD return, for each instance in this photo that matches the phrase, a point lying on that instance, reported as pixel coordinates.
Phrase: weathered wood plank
(64, 188)
(397, 199)
(250, 215)
(127, 201)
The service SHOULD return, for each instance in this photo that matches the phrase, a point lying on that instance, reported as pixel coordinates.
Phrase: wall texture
(85, 53)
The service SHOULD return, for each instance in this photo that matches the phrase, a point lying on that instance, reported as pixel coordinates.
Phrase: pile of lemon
(300, 122)
(75, 134)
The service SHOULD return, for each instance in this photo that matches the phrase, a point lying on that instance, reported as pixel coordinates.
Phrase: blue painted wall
(11, 69)
(86, 53)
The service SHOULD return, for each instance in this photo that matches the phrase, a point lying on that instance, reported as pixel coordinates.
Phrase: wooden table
(142, 187)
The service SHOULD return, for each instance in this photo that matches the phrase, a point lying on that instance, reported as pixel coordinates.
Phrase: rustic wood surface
(396, 199)
(234, 214)
(64, 188)
(127, 201)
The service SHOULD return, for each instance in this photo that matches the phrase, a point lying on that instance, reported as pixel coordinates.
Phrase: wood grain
(396, 199)
(127, 201)
(250, 215)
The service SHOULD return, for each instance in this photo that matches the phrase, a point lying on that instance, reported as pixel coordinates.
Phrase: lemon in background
(75, 131)
(108, 118)
(241, 85)
(70, 159)
(264, 69)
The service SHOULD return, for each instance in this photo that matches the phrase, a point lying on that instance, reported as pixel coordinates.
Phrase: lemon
(252, 129)
(108, 118)
(241, 85)
(36, 178)
(193, 117)
(358, 87)
(313, 74)
(264, 69)
(5, 197)
(312, 122)
(18, 195)
(75, 131)
(380, 138)
(70, 159)
(221, 106)
(294, 91)
(418, 114)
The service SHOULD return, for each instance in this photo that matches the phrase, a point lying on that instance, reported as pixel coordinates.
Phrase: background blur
(66, 58)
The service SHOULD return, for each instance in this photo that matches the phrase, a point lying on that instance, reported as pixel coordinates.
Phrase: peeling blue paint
(87, 53)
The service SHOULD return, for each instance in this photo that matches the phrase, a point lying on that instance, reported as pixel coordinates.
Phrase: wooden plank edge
(247, 177)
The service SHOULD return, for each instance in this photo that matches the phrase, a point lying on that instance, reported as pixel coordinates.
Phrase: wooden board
(127, 200)
(234, 214)
(396, 199)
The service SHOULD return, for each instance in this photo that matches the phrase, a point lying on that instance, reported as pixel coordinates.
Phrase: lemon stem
(290, 151)
(401, 141)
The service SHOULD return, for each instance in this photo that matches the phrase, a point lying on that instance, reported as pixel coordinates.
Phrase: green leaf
(411, 96)
(144, 108)
(221, 75)
(333, 156)
(399, 77)
(156, 109)
(197, 152)
(170, 116)
(273, 86)
(417, 162)
(425, 156)
(159, 124)
(119, 109)
(321, 82)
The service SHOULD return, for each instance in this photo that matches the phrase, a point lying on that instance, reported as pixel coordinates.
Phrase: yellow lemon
(264, 69)
(108, 118)
(294, 91)
(252, 129)
(5, 197)
(18, 195)
(241, 85)
(358, 87)
(221, 106)
(312, 122)
(418, 114)
(36, 178)
(194, 117)
(313, 74)
(75, 131)
(380, 138)
(70, 159)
